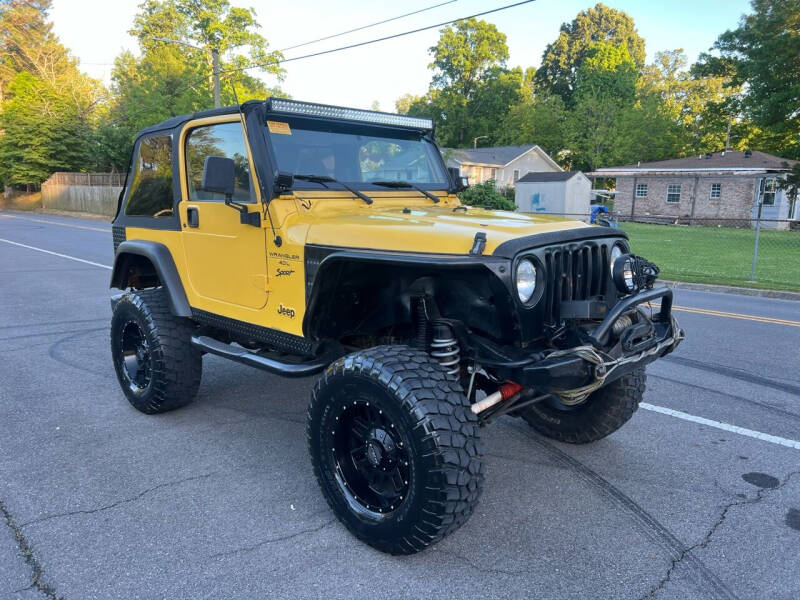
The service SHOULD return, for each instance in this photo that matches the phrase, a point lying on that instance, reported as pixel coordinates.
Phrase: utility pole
(215, 69)
(475, 140)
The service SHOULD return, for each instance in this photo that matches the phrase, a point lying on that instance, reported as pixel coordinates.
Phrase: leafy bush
(486, 196)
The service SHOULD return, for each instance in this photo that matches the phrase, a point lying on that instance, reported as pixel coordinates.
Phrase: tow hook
(600, 370)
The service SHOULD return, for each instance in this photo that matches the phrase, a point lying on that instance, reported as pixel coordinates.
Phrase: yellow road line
(55, 223)
(730, 315)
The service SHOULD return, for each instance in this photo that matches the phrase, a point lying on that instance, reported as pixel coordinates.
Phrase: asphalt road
(217, 500)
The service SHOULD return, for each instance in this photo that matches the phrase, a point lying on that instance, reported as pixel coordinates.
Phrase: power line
(376, 40)
(335, 35)
(331, 51)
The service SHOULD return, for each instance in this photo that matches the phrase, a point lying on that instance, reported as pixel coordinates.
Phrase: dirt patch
(31, 201)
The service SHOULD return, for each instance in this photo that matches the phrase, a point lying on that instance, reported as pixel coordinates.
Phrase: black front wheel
(156, 364)
(395, 448)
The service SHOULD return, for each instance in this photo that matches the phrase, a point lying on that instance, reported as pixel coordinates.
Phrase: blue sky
(96, 33)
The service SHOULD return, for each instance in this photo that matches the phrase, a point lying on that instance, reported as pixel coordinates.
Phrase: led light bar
(295, 107)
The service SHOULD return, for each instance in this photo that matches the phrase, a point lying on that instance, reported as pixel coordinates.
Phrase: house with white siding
(505, 164)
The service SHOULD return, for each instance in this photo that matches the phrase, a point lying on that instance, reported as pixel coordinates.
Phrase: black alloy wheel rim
(136, 359)
(371, 460)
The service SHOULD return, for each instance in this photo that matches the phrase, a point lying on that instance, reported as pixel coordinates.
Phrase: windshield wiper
(407, 185)
(323, 179)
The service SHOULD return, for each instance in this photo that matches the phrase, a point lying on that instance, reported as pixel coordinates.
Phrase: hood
(439, 229)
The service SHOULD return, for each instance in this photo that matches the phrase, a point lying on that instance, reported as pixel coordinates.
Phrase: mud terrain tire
(409, 411)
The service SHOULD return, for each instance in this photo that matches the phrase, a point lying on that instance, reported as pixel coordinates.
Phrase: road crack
(707, 538)
(26, 550)
(281, 538)
(140, 495)
(489, 571)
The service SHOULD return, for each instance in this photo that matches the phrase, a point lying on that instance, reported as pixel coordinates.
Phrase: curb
(729, 289)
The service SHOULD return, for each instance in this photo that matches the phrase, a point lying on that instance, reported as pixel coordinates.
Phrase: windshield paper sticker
(279, 127)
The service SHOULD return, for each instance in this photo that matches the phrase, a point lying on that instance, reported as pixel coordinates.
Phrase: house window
(641, 190)
(716, 191)
(674, 193)
(516, 175)
(768, 188)
(493, 175)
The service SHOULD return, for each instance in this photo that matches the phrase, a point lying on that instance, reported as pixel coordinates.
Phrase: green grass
(719, 255)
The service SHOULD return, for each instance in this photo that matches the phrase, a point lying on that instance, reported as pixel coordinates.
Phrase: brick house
(724, 185)
(504, 164)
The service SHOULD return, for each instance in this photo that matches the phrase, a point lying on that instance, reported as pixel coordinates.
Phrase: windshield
(355, 154)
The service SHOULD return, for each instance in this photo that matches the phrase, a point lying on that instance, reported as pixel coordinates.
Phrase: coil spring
(445, 349)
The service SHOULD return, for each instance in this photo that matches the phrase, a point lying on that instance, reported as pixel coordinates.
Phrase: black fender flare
(161, 258)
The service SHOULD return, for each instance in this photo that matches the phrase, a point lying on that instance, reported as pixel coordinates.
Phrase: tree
(604, 96)
(702, 105)
(540, 121)
(49, 108)
(171, 78)
(26, 41)
(44, 131)
(173, 75)
(465, 54)
(404, 103)
(762, 54)
(471, 88)
(563, 58)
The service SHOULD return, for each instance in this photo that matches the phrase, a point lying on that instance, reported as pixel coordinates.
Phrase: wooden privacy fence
(61, 178)
(95, 193)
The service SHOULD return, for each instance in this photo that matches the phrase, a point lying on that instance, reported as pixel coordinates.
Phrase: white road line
(67, 256)
(774, 439)
(48, 222)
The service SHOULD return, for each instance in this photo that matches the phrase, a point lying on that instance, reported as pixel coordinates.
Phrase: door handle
(193, 216)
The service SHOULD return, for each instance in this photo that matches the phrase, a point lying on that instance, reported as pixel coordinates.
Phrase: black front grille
(574, 272)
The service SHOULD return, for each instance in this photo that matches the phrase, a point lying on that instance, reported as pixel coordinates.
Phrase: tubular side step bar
(265, 363)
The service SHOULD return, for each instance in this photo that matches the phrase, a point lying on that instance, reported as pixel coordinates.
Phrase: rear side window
(225, 140)
(151, 187)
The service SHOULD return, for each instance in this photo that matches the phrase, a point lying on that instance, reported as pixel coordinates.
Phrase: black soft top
(179, 120)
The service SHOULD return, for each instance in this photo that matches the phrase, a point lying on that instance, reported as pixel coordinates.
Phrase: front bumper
(575, 368)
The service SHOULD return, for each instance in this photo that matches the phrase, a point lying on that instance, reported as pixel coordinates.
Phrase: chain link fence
(762, 253)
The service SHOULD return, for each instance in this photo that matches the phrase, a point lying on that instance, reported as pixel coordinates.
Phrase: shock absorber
(445, 349)
(420, 322)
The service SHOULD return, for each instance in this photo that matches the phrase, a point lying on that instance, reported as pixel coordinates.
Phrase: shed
(561, 192)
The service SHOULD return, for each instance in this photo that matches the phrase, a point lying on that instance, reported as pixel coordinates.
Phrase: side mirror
(219, 175)
(459, 183)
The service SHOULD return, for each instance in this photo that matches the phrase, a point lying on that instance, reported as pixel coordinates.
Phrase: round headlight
(616, 252)
(622, 273)
(526, 279)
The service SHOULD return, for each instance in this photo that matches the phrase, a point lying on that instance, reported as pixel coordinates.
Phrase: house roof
(541, 177)
(497, 156)
(727, 160)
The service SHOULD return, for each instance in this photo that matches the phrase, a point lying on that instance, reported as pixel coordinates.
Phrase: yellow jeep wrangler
(302, 238)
